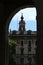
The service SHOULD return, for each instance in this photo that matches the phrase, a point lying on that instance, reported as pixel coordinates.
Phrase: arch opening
(24, 41)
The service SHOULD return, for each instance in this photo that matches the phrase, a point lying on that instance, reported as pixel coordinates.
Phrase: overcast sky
(29, 15)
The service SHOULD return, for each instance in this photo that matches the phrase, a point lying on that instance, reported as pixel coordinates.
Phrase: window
(22, 51)
(21, 43)
(35, 46)
(29, 45)
(21, 47)
(36, 42)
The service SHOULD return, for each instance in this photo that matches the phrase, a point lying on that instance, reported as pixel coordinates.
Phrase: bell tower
(22, 24)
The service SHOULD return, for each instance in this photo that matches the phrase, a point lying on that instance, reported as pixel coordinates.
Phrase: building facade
(26, 44)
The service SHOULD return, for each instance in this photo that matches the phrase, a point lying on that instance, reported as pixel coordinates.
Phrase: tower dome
(22, 23)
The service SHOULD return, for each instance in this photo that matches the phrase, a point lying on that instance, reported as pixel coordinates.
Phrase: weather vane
(22, 16)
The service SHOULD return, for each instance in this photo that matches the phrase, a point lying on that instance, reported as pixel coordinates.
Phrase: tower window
(22, 28)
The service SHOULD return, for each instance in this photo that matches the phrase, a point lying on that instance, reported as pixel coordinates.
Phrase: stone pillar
(39, 32)
(2, 35)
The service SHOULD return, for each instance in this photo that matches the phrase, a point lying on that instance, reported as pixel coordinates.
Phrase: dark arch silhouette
(6, 8)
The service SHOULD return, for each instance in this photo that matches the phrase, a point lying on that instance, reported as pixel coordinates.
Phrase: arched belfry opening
(22, 41)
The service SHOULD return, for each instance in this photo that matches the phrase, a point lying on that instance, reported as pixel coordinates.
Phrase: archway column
(39, 32)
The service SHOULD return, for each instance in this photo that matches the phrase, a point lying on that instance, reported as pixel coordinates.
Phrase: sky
(29, 15)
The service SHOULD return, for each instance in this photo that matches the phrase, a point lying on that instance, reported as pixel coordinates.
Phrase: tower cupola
(22, 24)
